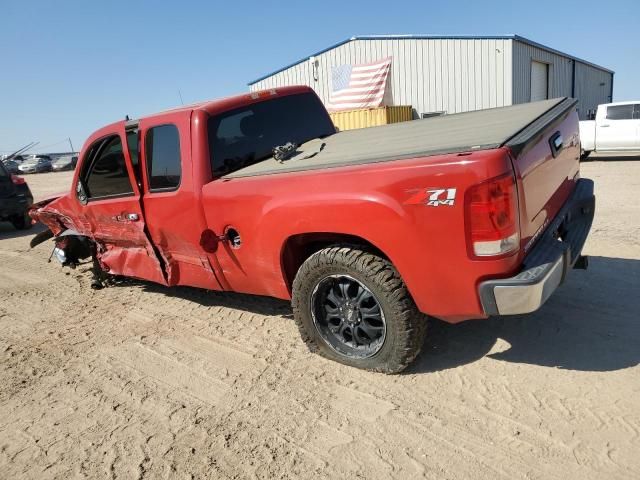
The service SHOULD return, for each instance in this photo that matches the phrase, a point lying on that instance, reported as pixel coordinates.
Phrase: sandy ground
(138, 381)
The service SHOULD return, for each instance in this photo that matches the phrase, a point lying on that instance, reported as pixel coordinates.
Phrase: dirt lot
(140, 381)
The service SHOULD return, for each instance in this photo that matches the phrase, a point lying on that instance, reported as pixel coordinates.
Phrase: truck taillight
(491, 210)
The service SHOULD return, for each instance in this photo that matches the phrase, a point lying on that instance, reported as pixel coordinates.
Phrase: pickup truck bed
(512, 126)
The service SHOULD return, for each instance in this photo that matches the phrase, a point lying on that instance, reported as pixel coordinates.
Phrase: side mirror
(81, 193)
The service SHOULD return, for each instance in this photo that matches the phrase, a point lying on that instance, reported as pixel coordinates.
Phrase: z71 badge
(433, 197)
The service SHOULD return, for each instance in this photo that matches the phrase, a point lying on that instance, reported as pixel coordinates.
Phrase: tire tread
(409, 324)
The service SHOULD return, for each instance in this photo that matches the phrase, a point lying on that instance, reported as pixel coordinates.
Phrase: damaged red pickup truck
(461, 216)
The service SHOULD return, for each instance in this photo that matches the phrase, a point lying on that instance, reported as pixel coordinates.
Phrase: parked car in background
(616, 129)
(19, 158)
(11, 166)
(36, 164)
(15, 199)
(66, 162)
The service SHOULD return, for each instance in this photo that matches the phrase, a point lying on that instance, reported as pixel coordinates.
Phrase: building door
(539, 81)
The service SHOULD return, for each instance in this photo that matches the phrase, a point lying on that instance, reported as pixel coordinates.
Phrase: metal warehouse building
(449, 74)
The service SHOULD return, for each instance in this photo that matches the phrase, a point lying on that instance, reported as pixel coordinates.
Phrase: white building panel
(432, 75)
(588, 77)
(593, 87)
(454, 74)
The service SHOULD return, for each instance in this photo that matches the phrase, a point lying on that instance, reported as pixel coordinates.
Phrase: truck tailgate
(546, 160)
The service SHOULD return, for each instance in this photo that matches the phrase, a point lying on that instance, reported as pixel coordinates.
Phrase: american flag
(358, 86)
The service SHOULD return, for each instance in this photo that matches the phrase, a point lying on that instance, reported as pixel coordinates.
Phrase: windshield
(246, 135)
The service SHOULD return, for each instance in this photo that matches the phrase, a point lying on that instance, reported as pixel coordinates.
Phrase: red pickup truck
(458, 217)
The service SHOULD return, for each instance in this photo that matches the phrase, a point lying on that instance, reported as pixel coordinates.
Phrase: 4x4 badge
(434, 197)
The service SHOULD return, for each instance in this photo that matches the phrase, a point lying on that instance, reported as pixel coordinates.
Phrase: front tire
(584, 155)
(351, 306)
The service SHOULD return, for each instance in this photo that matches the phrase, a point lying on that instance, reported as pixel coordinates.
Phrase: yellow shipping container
(371, 117)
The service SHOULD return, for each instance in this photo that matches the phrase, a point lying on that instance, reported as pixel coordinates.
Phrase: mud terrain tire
(404, 326)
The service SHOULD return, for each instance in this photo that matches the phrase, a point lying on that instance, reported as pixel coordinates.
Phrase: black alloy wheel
(351, 306)
(348, 316)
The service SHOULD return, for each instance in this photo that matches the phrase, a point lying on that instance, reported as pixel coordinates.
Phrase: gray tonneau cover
(460, 132)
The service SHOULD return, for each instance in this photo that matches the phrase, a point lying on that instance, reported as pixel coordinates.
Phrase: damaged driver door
(108, 191)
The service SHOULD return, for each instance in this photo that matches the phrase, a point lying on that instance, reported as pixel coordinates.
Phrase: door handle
(126, 217)
(605, 125)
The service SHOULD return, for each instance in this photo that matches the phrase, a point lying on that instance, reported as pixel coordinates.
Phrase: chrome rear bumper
(546, 266)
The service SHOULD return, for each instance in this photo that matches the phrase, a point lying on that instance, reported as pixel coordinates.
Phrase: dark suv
(15, 199)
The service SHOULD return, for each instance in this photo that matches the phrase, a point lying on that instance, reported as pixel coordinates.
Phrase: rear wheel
(21, 222)
(351, 306)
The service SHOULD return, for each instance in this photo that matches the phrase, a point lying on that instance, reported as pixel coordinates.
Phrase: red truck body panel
(544, 182)
(175, 239)
(427, 246)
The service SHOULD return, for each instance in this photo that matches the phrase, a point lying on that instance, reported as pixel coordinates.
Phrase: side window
(162, 146)
(636, 111)
(106, 173)
(620, 112)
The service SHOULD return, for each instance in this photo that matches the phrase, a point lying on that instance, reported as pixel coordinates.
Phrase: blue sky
(69, 67)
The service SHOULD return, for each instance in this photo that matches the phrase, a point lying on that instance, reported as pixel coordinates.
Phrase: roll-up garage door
(539, 81)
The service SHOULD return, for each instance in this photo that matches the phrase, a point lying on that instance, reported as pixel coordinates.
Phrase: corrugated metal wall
(454, 75)
(432, 75)
(560, 72)
(588, 90)
(593, 87)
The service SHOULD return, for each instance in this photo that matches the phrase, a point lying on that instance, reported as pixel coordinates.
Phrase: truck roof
(213, 107)
(511, 126)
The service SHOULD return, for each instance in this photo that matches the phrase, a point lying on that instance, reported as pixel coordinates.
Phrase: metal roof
(435, 37)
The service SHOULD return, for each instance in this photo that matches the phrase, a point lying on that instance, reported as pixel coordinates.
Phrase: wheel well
(298, 248)
(77, 247)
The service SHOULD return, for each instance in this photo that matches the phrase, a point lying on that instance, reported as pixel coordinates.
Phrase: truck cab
(615, 129)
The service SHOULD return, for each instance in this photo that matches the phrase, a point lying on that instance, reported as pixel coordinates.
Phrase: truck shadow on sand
(592, 323)
(267, 306)
(613, 158)
(7, 231)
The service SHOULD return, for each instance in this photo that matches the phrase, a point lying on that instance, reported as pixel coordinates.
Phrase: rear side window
(620, 112)
(636, 111)
(163, 157)
(107, 174)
